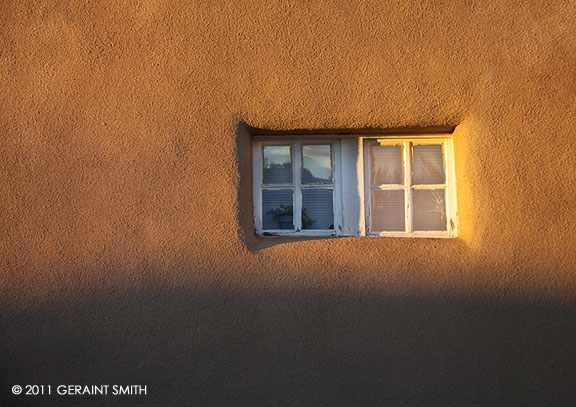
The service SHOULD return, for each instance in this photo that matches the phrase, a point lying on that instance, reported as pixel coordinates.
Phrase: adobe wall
(127, 249)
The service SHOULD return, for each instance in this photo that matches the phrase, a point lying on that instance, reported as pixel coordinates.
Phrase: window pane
(429, 209)
(427, 165)
(387, 210)
(277, 209)
(317, 209)
(317, 164)
(277, 165)
(386, 165)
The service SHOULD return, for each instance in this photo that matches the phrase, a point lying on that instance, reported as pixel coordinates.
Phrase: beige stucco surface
(127, 250)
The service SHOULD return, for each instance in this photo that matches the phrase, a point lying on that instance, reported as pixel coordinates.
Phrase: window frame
(351, 183)
(407, 142)
(296, 144)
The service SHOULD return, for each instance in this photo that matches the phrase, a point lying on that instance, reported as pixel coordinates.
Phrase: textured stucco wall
(126, 245)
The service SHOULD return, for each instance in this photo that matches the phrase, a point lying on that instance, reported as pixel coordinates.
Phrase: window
(296, 188)
(397, 186)
(409, 187)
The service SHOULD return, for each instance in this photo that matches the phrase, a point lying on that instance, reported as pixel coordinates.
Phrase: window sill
(289, 233)
(331, 233)
(431, 235)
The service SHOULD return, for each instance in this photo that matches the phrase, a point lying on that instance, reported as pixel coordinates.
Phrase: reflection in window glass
(427, 165)
(317, 209)
(429, 209)
(277, 165)
(316, 164)
(387, 165)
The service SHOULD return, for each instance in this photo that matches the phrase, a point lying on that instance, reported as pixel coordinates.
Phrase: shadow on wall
(294, 348)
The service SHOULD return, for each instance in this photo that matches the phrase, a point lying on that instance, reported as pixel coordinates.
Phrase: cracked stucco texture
(127, 249)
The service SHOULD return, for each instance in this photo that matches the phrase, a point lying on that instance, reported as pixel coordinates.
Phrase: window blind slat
(317, 208)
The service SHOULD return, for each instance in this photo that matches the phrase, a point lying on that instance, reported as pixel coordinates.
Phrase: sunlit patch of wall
(464, 135)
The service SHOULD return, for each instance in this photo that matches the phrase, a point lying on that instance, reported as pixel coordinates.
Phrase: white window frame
(407, 143)
(296, 144)
(351, 184)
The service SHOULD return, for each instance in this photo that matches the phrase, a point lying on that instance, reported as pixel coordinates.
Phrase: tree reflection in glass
(317, 164)
(277, 165)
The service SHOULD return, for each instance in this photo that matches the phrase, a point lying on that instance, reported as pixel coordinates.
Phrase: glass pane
(317, 164)
(387, 210)
(429, 209)
(317, 209)
(277, 209)
(277, 165)
(427, 165)
(386, 165)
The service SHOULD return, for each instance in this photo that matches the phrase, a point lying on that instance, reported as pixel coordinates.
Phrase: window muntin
(306, 201)
(423, 203)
